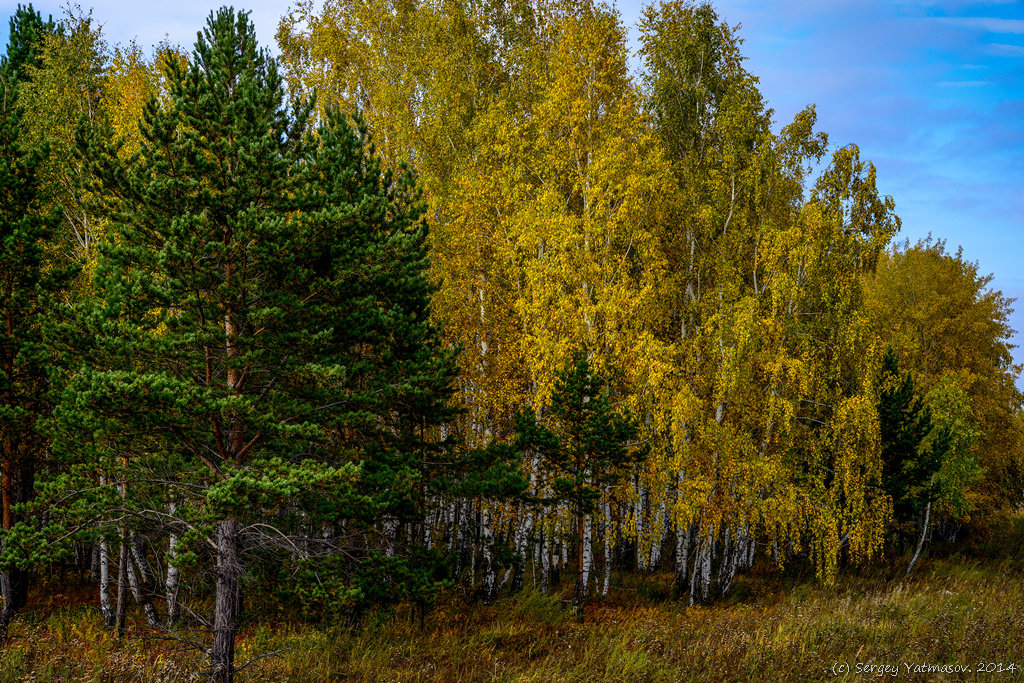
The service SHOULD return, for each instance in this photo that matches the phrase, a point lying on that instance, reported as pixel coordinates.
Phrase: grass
(955, 610)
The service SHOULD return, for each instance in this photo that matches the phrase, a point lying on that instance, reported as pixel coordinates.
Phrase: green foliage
(260, 347)
(29, 282)
(908, 462)
(950, 327)
(587, 446)
(25, 42)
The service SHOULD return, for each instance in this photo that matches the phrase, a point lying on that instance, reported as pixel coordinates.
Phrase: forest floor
(964, 609)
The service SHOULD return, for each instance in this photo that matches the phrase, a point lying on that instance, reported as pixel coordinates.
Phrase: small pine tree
(588, 448)
(904, 423)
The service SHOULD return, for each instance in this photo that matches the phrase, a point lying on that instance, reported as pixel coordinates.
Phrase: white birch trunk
(488, 580)
(657, 536)
(588, 554)
(545, 565)
(700, 584)
(137, 592)
(924, 533)
(105, 607)
(682, 557)
(641, 531)
(726, 554)
(607, 533)
(171, 582)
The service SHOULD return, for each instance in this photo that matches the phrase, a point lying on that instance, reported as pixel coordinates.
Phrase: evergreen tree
(260, 379)
(25, 42)
(588, 448)
(904, 422)
(25, 282)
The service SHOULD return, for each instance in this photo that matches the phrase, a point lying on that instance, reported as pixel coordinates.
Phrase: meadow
(962, 609)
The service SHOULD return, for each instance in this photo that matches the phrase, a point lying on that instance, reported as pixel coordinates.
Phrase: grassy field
(959, 610)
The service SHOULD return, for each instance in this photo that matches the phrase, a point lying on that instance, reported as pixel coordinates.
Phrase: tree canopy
(450, 293)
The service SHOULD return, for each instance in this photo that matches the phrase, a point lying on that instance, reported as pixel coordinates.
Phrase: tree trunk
(488, 580)
(171, 582)
(700, 583)
(607, 528)
(588, 554)
(681, 583)
(727, 569)
(523, 532)
(225, 618)
(657, 536)
(105, 608)
(122, 584)
(641, 531)
(924, 533)
(140, 589)
(545, 565)
(581, 588)
(7, 608)
(16, 580)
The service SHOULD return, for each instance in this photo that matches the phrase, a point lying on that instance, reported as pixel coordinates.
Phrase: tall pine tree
(25, 282)
(260, 380)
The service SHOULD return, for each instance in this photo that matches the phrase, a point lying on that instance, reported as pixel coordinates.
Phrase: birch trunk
(700, 583)
(488, 582)
(641, 531)
(171, 582)
(94, 561)
(682, 558)
(657, 537)
(606, 523)
(545, 565)
(924, 533)
(581, 590)
(588, 554)
(523, 532)
(731, 549)
(139, 592)
(105, 608)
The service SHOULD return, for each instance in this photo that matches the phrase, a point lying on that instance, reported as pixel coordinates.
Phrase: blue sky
(932, 91)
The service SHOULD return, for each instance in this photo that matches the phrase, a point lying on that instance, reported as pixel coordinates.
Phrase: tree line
(446, 294)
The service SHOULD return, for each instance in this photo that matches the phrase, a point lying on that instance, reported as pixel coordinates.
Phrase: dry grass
(954, 610)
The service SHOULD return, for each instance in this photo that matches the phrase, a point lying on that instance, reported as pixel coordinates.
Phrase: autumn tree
(951, 328)
(767, 405)
(67, 87)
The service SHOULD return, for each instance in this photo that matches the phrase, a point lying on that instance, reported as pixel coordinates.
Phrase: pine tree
(260, 379)
(25, 282)
(904, 422)
(588, 448)
(25, 42)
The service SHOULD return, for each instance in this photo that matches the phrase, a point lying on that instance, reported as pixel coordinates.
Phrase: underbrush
(953, 610)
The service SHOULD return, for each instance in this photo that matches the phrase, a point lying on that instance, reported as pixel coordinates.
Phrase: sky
(931, 90)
